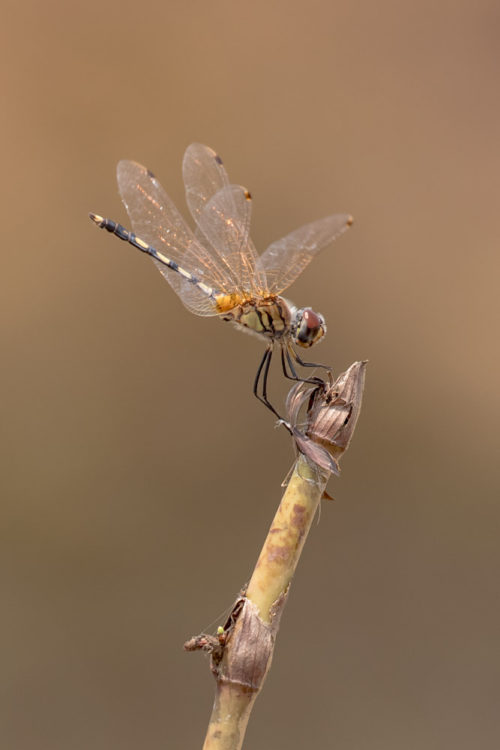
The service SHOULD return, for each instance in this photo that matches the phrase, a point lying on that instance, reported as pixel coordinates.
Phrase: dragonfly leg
(263, 371)
(307, 364)
(287, 363)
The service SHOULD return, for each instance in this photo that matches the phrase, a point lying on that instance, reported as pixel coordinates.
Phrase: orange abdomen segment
(227, 302)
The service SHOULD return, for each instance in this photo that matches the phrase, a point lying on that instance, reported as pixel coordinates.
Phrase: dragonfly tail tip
(96, 218)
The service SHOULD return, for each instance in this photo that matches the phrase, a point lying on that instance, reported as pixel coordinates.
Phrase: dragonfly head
(308, 327)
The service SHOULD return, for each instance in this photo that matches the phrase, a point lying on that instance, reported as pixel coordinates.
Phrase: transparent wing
(284, 260)
(204, 175)
(224, 222)
(193, 298)
(156, 220)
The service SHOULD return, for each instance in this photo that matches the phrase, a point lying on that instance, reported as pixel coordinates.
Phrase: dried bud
(331, 416)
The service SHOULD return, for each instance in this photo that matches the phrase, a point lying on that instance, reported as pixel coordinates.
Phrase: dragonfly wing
(204, 175)
(285, 259)
(156, 220)
(191, 296)
(225, 225)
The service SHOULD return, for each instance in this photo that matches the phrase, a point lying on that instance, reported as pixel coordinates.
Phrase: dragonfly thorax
(274, 318)
(270, 317)
(307, 327)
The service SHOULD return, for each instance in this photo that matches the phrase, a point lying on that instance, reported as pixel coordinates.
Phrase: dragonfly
(216, 270)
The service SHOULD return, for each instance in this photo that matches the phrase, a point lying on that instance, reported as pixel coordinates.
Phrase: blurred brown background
(139, 475)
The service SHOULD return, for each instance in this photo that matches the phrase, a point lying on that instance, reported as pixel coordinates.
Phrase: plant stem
(283, 546)
(249, 649)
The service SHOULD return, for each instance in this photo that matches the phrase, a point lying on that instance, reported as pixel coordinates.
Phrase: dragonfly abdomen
(269, 317)
(130, 237)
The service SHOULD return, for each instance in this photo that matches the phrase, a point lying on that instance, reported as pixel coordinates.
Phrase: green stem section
(282, 549)
(248, 654)
(230, 714)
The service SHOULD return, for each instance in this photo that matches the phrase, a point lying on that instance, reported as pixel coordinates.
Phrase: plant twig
(243, 649)
(249, 650)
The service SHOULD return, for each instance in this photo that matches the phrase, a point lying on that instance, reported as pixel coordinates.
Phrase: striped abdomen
(270, 317)
(124, 234)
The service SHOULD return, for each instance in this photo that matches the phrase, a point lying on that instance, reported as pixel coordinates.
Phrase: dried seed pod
(331, 415)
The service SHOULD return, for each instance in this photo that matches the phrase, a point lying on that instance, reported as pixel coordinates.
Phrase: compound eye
(312, 319)
(310, 329)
